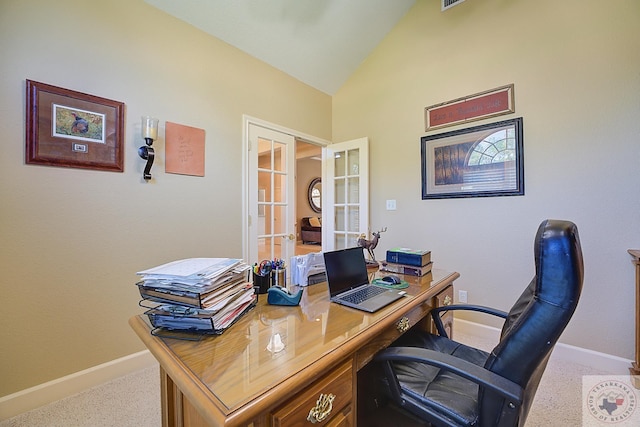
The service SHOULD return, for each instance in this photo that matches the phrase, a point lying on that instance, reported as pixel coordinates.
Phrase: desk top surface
(239, 366)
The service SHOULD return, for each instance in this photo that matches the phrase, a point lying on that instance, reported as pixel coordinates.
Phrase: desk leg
(171, 401)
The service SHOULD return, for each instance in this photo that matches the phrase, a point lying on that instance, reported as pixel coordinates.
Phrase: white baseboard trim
(43, 394)
(607, 363)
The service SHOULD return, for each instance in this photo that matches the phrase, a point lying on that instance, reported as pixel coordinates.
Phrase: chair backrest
(539, 316)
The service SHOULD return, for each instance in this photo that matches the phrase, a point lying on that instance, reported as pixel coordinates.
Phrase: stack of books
(202, 295)
(408, 261)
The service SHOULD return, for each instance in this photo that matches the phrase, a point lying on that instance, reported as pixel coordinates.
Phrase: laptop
(349, 281)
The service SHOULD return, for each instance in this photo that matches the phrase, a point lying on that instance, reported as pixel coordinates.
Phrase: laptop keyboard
(363, 294)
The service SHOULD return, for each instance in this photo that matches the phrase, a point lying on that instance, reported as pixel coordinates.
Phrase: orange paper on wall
(185, 149)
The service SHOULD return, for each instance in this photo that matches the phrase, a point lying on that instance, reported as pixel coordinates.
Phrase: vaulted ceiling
(319, 42)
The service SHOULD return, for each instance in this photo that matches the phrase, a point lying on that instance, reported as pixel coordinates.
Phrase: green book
(407, 256)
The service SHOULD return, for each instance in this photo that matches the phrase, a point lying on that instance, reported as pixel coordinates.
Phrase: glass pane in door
(353, 157)
(340, 193)
(340, 218)
(353, 184)
(279, 187)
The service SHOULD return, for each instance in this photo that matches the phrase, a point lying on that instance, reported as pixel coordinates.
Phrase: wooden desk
(233, 380)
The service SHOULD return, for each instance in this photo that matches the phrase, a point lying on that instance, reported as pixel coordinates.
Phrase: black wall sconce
(149, 133)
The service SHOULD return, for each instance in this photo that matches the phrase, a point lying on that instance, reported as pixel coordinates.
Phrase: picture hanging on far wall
(483, 105)
(480, 161)
(73, 129)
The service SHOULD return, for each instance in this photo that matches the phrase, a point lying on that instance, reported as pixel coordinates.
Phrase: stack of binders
(407, 261)
(201, 295)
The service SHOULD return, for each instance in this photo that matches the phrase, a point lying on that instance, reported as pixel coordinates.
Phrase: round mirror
(315, 194)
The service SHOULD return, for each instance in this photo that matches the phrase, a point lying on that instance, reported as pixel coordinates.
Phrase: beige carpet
(134, 400)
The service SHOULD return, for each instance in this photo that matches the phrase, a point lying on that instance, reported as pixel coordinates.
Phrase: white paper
(191, 268)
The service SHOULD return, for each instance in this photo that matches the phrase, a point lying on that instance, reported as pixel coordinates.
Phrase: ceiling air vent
(448, 4)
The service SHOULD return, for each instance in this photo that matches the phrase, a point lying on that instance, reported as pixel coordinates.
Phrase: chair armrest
(477, 374)
(437, 320)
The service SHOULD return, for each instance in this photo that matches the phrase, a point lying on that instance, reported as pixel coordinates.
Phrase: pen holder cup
(279, 277)
(261, 283)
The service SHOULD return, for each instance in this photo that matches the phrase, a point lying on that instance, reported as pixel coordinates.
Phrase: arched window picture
(475, 162)
(315, 195)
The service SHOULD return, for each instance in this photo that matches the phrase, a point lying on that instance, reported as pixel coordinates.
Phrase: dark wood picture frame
(73, 129)
(480, 161)
(483, 105)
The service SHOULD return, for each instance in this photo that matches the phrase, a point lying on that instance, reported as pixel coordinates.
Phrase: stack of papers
(197, 294)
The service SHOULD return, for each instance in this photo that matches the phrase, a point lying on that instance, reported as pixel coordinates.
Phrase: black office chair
(446, 383)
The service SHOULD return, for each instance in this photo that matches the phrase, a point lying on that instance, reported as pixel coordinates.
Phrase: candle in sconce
(149, 127)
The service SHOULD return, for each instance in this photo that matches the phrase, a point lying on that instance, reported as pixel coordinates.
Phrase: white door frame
(246, 121)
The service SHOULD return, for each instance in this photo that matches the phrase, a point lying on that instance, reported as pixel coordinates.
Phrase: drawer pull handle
(323, 408)
(447, 300)
(403, 324)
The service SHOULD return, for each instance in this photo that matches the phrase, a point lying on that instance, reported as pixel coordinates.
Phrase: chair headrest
(559, 264)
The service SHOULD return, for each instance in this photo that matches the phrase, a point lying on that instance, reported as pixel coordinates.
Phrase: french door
(271, 193)
(345, 185)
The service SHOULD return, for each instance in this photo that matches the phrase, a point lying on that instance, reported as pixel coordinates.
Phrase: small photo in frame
(480, 161)
(73, 129)
(74, 123)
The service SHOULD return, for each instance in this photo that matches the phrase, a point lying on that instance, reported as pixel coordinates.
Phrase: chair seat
(447, 393)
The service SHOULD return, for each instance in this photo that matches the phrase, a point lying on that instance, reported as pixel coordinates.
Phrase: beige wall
(72, 240)
(575, 67)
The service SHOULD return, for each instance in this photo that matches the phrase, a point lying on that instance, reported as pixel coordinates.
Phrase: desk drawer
(445, 298)
(338, 383)
(389, 335)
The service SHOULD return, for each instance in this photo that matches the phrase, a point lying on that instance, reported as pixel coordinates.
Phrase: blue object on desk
(280, 296)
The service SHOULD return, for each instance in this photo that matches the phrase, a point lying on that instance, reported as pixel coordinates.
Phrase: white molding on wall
(602, 361)
(43, 394)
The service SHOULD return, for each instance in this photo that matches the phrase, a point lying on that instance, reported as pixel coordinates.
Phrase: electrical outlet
(462, 296)
(391, 205)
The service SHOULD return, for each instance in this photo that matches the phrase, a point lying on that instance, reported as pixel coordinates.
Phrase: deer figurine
(370, 245)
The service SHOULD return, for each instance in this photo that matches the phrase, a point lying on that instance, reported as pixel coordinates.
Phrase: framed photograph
(73, 129)
(480, 161)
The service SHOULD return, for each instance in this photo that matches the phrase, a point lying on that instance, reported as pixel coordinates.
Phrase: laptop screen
(346, 269)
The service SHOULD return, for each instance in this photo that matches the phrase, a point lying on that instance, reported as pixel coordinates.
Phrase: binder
(196, 299)
(182, 318)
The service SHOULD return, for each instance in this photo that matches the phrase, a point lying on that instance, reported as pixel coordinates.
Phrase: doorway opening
(308, 209)
(278, 167)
